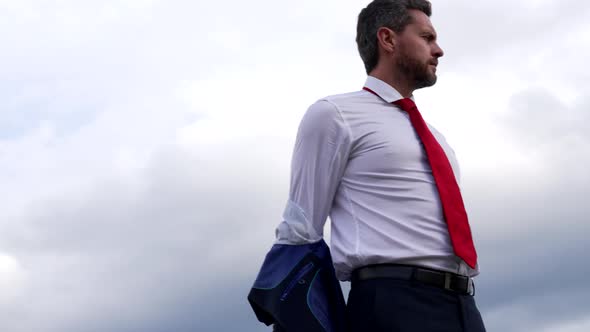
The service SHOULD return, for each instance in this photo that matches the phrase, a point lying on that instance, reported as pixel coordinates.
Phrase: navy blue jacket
(297, 289)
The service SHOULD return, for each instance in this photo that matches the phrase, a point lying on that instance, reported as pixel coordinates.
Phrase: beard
(416, 71)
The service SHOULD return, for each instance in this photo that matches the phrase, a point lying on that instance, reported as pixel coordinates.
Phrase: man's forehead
(420, 20)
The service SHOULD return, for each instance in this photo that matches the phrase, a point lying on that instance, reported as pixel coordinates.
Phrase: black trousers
(390, 305)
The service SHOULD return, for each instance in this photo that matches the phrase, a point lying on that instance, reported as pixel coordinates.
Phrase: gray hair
(392, 14)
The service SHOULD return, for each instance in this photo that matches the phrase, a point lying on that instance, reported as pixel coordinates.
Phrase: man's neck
(395, 80)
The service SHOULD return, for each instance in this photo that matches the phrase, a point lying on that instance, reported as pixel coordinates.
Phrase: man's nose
(437, 51)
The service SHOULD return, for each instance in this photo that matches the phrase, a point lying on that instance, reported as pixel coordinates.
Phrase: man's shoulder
(329, 111)
(334, 103)
(338, 102)
(342, 98)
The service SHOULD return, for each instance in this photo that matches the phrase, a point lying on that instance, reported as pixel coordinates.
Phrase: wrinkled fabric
(297, 289)
(357, 159)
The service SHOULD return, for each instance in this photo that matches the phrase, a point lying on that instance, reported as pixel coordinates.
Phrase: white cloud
(580, 325)
(12, 278)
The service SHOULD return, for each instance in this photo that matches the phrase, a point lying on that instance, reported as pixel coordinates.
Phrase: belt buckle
(471, 287)
(470, 284)
(448, 281)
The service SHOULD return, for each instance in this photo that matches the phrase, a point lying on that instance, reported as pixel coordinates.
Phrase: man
(388, 181)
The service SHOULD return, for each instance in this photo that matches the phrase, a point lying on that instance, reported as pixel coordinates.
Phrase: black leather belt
(445, 280)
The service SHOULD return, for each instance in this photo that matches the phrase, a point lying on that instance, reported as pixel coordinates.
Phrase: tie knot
(406, 104)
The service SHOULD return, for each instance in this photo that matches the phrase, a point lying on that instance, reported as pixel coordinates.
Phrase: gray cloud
(132, 253)
(532, 219)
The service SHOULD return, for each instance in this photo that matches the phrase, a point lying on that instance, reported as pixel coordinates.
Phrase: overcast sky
(145, 150)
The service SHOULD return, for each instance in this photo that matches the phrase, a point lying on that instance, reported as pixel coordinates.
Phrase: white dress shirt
(358, 160)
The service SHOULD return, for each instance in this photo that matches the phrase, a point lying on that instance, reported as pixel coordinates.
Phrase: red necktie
(448, 189)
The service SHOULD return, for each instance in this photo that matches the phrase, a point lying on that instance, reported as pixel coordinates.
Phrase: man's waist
(445, 262)
(441, 279)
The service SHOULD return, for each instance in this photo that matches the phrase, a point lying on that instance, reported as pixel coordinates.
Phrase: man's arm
(296, 289)
(319, 160)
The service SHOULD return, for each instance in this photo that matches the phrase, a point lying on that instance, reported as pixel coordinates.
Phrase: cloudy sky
(145, 149)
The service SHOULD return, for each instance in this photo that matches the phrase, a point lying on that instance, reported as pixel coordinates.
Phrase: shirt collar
(383, 90)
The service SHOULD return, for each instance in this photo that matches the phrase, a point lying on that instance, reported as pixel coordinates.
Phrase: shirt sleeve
(319, 159)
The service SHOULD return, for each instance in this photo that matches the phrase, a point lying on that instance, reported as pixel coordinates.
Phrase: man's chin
(428, 81)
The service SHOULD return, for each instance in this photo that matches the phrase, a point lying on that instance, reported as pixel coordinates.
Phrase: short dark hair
(392, 14)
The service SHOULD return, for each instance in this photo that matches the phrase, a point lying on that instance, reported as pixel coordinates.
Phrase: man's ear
(386, 38)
